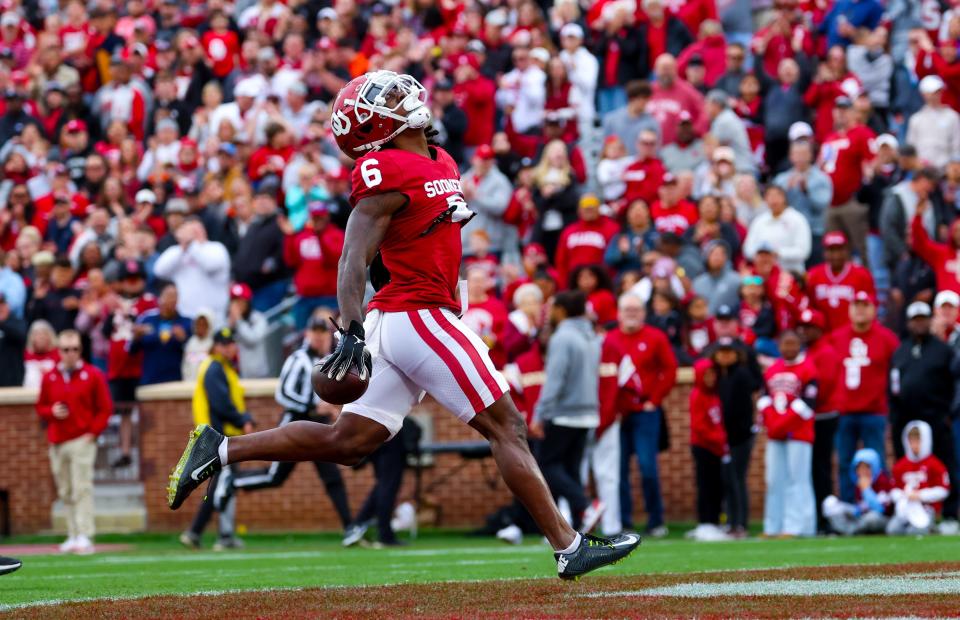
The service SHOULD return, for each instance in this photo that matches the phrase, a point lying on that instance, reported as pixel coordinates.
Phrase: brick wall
(301, 503)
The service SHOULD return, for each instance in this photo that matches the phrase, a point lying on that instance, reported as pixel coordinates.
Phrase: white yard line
(893, 585)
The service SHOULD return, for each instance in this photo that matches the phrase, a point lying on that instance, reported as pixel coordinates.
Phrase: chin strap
(418, 118)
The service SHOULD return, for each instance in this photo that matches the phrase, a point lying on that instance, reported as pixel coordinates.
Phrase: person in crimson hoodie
(474, 93)
(865, 348)
(942, 257)
(644, 176)
(313, 255)
(831, 285)
(486, 315)
(640, 400)
(584, 241)
(711, 47)
(921, 483)
(922, 380)
(818, 350)
(74, 402)
(787, 409)
(843, 156)
(711, 453)
(663, 32)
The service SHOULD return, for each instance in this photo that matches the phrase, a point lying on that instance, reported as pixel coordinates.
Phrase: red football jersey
(676, 219)
(842, 156)
(865, 358)
(643, 178)
(832, 293)
(222, 50)
(421, 248)
(121, 364)
(785, 414)
(923, 474)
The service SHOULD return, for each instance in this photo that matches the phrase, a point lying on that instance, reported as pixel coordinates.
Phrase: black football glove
(351, 350)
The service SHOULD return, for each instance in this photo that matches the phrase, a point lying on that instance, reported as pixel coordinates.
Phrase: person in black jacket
(259, 258)
(622, 51)
(921, 388)
(57, 302)
(13, 338)
(738, 380)
(449, 120)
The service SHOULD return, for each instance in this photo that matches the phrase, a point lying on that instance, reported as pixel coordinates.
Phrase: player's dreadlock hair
(431, 134)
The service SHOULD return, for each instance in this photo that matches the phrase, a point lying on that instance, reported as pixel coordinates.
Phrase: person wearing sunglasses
(75, 404)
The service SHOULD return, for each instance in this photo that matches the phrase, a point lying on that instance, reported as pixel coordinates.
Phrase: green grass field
(158, 565)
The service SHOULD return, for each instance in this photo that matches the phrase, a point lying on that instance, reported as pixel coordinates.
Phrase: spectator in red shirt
(831, 285)
(672, 213)
(711, 48)
(644, 176)
(648, 372)
(486, 315)
(711, 453)
(75, 404)
(474, 93)
(671, 96)
(823, 357)
(844, 155)
(865, 349)
(942, 257)
(585, 241)
(221, 45)
(313, 255)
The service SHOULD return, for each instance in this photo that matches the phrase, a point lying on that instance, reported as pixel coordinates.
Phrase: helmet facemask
(391, 95)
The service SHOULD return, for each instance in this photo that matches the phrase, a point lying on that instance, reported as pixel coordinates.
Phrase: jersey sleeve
(374, 174)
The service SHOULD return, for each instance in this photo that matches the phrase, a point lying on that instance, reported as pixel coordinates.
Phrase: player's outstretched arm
(365, 230)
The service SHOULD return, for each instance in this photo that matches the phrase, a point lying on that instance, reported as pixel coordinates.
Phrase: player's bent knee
(353, 449)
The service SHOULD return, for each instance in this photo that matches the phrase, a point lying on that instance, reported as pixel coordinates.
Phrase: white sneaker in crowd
(511, 534)
(83, 546)
(708, 532)
(949, 527)
(591, 516)
(68, 545)
(660, 531)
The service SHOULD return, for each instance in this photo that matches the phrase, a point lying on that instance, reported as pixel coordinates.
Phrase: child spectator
(711, 454)
(756, 314)
(594, 282)
(921, 483)
(626, 249)
(787, 411)
(198, 345)
(870, 511)
(665, 316)
(697, 333)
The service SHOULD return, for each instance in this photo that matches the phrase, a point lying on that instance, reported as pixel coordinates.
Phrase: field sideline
(156, 565)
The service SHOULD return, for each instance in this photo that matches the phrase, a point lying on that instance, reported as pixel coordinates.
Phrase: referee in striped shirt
(295, 394)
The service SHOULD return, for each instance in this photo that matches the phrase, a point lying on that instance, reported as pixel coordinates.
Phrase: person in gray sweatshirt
(569, 402)
(719, 284)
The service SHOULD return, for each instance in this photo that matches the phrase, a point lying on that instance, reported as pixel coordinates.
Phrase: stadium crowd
(768, 192)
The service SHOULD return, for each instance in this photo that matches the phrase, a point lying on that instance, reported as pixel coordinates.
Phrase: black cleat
(8, 565)
(595, 552)
(200, 461)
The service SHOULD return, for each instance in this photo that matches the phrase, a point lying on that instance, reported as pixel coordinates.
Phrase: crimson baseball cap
(813, 317)
(239, 290)
(484, 151)
(834, 239)
(75, 126)
(864, 297)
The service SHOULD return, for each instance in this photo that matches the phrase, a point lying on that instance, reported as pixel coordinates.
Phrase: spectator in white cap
(946, 311)
(935, 129)
(236, 112)
(582, 68)
(809, 190)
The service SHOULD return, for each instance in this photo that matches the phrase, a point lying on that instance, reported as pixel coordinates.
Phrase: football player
(408, 208)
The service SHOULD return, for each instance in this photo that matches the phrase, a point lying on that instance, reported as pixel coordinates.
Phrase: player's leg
(272, 476)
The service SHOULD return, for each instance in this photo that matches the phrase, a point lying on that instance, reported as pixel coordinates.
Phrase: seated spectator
(870, 511)
(787, 410)
(250, 330)
(198, 346)
(781, 227)
(920, 483)
(161, 333)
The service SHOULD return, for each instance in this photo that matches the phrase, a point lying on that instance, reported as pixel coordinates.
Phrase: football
(341, 392)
